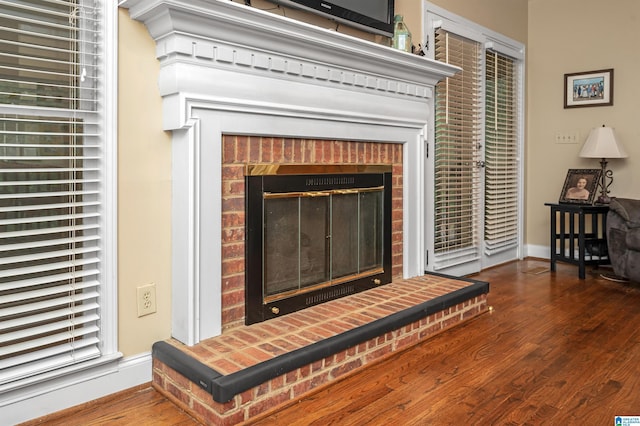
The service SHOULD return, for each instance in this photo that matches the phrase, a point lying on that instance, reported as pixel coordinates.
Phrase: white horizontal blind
(50, 185)
(458, 132)
(501, 154)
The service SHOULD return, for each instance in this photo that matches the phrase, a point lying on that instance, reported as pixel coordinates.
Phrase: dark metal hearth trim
(189, 367)
(224, 388)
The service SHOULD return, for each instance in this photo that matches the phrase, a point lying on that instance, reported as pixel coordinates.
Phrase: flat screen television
(375, 16)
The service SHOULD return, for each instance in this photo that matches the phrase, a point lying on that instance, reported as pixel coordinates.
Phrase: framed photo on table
(580, 186)
(587, 89)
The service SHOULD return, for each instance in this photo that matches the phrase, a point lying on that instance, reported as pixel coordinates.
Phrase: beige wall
(573, 36)
(507, 17)
(144, 191)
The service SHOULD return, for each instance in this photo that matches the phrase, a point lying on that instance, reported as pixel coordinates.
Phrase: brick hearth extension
(250, 370)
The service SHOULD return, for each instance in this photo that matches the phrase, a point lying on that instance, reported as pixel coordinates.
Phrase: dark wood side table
(578, 235)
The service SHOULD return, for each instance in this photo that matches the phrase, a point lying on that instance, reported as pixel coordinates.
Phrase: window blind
(501, 154)
(50, 185)
(458, 133)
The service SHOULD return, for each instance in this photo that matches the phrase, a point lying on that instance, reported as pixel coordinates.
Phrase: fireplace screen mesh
(313, 239)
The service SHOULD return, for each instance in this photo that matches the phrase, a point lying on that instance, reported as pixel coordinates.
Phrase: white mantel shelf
(236, 25)
(227, 68)
(224, 36)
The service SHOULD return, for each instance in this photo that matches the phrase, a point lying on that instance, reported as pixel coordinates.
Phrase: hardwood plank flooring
(554, 350)
(140, 406)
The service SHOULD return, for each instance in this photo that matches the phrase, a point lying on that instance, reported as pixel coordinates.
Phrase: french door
(475, 208)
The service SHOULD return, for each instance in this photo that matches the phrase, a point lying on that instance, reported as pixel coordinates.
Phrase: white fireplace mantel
(227, 68)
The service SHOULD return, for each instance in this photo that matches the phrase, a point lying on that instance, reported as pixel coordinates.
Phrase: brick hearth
(251, 370)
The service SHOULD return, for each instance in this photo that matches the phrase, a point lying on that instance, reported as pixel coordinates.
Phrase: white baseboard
(542, 252)
(63, 393)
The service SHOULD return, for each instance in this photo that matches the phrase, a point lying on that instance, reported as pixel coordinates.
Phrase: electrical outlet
(146, 300)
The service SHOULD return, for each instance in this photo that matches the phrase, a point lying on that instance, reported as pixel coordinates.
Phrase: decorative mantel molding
(227, 68)
(214, 38)
(234, 26)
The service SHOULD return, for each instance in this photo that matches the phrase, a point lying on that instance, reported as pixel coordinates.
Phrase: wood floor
(554, 350)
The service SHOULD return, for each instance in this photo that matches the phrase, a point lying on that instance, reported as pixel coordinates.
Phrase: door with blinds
(502, 177)
(476, 179)
(458, 156)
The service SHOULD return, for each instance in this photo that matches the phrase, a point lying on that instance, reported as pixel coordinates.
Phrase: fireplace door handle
(279, 195)
(316, 194)
(345, 191)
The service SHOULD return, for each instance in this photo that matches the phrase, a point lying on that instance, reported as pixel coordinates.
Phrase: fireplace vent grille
(329, 295)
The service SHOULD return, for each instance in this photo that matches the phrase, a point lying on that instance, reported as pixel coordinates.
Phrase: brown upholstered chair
(623, 237)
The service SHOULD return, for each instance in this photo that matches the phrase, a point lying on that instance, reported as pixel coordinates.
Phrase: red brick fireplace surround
(243, 86)
(238, 151)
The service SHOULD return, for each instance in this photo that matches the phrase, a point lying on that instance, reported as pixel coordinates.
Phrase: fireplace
(314, 233)
(230, 69)
(242, 86)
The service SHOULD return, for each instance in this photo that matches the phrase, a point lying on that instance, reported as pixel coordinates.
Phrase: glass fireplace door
(316, 239)
(295, 242)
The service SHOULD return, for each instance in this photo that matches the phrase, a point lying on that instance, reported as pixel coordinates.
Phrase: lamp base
(604, 185)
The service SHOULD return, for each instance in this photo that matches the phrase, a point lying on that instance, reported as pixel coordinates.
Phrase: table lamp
(602, 143)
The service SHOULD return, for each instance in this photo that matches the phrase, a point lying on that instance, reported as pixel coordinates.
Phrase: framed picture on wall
(587, 89)
(580, 186)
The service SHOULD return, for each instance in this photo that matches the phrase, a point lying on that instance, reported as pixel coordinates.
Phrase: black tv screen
(375, 16)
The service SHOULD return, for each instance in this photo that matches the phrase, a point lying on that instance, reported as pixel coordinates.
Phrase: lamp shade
(602, 143)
